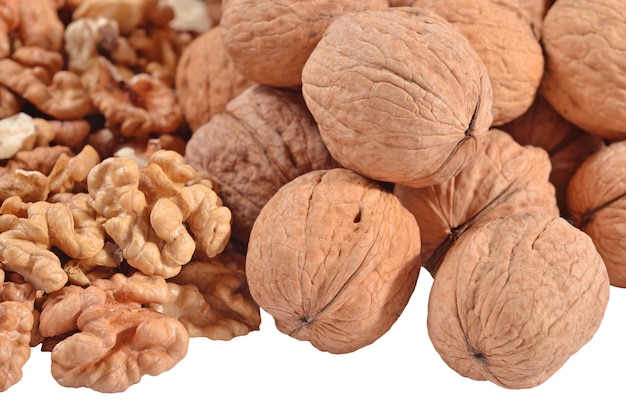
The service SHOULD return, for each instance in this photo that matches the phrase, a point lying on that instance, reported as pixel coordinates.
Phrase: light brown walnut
(160, 214)
(206, 79)
(583, 44)
(118, 341)
(506, 44)
(399, 95)
(334, 259)
(134, 107)
(596, 199)
(515, 298)
(504, 178)
(567, 145)
(16, 323)
(212, 300)
(270, 40)
(60, 96)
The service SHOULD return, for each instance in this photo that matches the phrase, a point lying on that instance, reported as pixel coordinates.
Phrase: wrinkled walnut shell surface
(504, 178)
(263, 139)
(515, 298)
(585, 61)
(596, 199)
(399, 95)
(334, 259)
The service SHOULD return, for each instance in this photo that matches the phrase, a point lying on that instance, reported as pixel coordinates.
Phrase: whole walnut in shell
(585, 62)
(515, 298)
(567, 144)
(264, 138)
(270, 40)
(505, 43)
(597, 204)
(334, 259)
(206, 79)
(399, 95)
(505, 178)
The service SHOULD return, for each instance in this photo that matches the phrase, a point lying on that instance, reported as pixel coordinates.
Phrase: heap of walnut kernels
(170, 168)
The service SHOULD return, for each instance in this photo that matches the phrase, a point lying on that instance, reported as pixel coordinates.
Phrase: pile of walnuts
(170, 168)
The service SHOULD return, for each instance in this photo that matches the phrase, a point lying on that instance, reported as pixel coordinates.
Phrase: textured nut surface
(515, 298)
(596, 198)
(212, 300)
(264, 138)
(583, 43)
(334, 259)
(118, 342)
(399, 95)
(206, 78)
(507, 46)
(567, 145)
(503, 179)
(270, 40)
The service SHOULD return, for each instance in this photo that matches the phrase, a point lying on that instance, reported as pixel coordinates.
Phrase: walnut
(270, 40)
(9, 20)
(264, 138)
(584, 63)
(60, 96)
(206, 79)
(507, 46)
(118, 341)
(128, 14)
(505, 178)
(16, 322)
(567, 145)
(158, 215)
(135, 107)
(334, 259)
(10, 103)
(36, 56)
(86, 39)
(515, 297)
(399, 95)
(16, 133)
(595, 199)
(190, 15)
(532, 11)
(212, 300)
(40, 25)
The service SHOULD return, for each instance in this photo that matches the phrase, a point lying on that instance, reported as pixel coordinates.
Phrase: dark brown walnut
(567, 145)
(506, 44)
(270, 40)
(596, 199)
(515, 298)
(505, 178)
(264, 138)
(206, 78)
(399, 95)
(583, 43)
(334, 259)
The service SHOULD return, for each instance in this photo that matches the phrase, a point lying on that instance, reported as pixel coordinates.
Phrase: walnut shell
(596, 202)
(270, 40)
(506, 44)
(264, 138)
(399, 95)
(567, 145)
(515, 297)
(334, 259)
(585, 62)
(206, 79)
(505, 178)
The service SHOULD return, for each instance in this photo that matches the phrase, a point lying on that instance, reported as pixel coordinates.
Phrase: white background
(268, 373)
